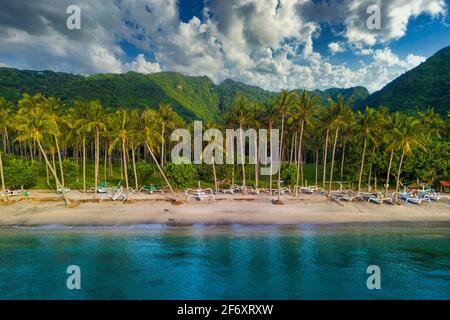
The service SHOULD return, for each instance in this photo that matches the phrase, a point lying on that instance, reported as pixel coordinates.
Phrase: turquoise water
(230, 262)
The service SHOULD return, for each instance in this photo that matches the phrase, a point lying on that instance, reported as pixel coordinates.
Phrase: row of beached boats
(119, 193)
(209, 193)
(412, 197)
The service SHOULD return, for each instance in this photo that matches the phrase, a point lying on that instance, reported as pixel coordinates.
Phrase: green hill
(426, 85)
(191, 97)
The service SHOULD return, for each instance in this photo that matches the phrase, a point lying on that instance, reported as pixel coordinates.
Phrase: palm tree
(151, 139)
(5, 197)
(270, 113)
(96, 121)
(305, 109)
(34, 123)
(121, 133)
(239, 113)
(283, 103)
(255, 123)
(166, 116)
(135, 139)
(432, 122)
(52, 109)
(79, 123)
(365, 123)
(339, 112)
(408, 137)
(382, 117)
(6, 109)
(347, 134)
(392, 126)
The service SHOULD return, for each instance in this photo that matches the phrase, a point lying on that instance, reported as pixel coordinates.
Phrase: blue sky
(273, 44)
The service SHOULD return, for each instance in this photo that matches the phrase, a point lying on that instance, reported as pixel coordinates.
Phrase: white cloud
(385, 57)
(260, 42)
(413, 61)
(141, 65)
(395, 15)
(335, 47)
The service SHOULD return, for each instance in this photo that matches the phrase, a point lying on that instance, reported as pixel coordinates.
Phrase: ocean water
(226, 262)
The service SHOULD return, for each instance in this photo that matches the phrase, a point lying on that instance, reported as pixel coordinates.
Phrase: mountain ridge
(427, 85)
(193, 97)
(198, 97)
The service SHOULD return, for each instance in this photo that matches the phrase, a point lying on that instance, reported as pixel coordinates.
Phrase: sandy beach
(43, 208)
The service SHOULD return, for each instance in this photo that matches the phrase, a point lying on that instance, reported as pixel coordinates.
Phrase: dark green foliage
(429, 166)
(71, 172)
(181, 175)
(426, 85)
(223, 171)
(18, 173)
(355, 94)
(193, 98)
(289, 174)
(230, 89)
(144, 170)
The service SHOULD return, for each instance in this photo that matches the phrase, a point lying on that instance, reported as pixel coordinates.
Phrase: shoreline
(47, 209)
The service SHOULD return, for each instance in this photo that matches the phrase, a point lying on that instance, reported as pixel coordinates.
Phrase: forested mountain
(200, 98)
(426, 85)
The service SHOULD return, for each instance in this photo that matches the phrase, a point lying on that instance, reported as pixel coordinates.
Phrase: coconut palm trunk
(397, 188)
(325, 153)
(271, 158)
(159, 168)
(134, 168)
(362, 165)
(60, 164)
(97, 158)
(369, 180)
(342, 161)
(388, 174)
(162, 144)
(4, 196)
(317, 166)
(241, 138)
(299, 159)
(55, 176)
(256, 166)
(47, 175)
(216, 186)
(54, 165)
(281, 155)
(125, 170)
(84, 164)
(332, 159)
(105, 162)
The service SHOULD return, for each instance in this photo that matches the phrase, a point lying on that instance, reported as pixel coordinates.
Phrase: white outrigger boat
(376, 198)
(429, 195)
(409, 198)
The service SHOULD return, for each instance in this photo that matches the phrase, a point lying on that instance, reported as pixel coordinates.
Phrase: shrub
(289, 174)
(71, 172)
(206, 173)
(181, 175)
(144, 170)
(19, 173)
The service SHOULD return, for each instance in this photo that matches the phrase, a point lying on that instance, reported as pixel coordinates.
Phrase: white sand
(230, 209)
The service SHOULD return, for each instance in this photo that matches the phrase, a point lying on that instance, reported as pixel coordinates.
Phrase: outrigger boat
(310, 190)
(430, 195)
(409, 198)
(377, 198)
